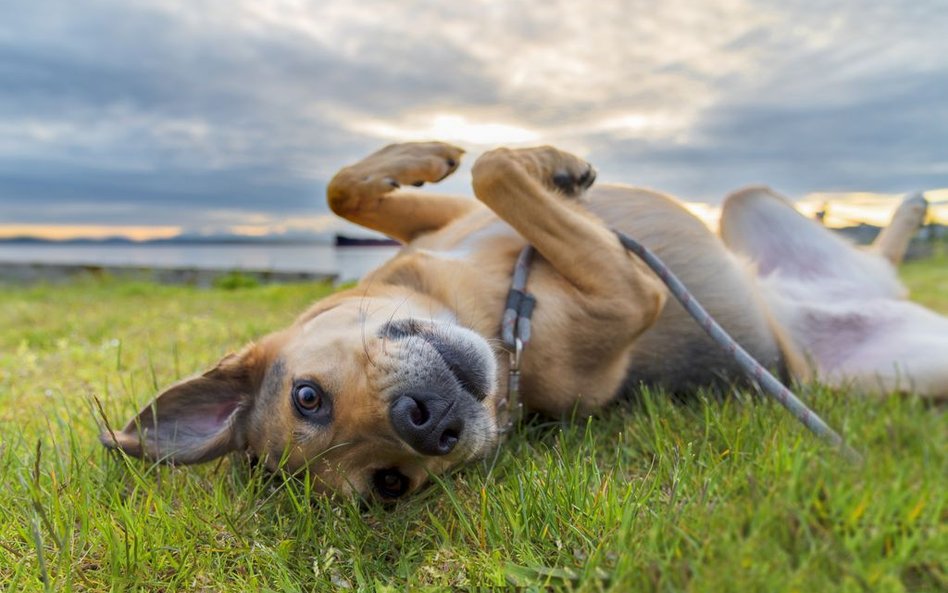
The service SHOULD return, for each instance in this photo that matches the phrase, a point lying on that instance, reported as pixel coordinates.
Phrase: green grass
(928, 279)
(708, 496)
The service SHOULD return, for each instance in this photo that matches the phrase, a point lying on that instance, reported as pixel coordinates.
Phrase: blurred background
(182, 134)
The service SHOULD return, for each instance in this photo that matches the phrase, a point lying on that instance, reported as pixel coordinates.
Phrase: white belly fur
(470, 243)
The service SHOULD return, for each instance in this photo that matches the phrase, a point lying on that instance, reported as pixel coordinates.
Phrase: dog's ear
(197, 419)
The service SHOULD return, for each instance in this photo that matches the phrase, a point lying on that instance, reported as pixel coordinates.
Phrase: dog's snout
(430, 423)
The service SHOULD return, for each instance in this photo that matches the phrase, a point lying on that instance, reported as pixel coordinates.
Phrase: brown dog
(377, 386)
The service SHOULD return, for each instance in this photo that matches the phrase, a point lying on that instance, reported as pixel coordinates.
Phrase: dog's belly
(873, 344)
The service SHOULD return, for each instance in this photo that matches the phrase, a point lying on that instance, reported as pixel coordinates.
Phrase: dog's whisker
(363, 315)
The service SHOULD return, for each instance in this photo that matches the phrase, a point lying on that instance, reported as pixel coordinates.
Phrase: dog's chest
(466, 266)
(469, 240)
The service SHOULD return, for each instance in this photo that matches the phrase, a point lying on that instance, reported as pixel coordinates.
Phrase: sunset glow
(451, 128)
(65, 232)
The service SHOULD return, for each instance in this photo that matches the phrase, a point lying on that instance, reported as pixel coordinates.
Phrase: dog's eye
(391, 483)
(310, 400)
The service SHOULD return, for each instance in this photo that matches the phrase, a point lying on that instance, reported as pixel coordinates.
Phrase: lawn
(707, 496)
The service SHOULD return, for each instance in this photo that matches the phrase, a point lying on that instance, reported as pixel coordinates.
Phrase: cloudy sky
(163, 115)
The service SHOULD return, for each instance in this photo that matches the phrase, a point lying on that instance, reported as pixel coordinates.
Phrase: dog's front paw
(553, 168)
(359, 187)
(410, 163)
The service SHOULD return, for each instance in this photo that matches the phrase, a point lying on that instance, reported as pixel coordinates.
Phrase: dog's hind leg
(367, 193)
(893, 241)
(764, 227)
(843, 307)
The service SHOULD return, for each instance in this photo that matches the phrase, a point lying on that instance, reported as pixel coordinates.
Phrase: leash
(515, 334)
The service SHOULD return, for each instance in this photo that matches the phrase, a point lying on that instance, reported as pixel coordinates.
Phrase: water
(349, 263)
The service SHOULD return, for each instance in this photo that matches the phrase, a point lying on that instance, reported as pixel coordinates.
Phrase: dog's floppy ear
(197, 419)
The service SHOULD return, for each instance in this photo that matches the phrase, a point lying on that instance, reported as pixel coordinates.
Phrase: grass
(707, 496)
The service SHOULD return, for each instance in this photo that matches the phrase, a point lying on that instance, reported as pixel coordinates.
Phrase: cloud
(169, 112)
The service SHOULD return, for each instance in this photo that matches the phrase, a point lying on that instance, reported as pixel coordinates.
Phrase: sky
(155, 117)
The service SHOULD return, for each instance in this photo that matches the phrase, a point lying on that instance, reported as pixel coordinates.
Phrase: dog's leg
(527, 188)
(784, 245)
(893, 241)
(367, 193)
(843, 307)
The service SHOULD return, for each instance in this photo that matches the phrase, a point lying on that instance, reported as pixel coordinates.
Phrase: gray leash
(515, 333)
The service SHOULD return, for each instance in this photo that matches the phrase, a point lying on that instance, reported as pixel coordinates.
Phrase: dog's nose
(430, 423)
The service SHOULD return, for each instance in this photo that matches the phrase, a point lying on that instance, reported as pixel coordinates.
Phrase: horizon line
(846, 209)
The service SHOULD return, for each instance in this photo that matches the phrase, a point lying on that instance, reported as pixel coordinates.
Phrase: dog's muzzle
(439, 404)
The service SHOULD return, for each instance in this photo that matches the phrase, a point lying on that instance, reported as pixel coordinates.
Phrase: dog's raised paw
(557, 170)
(410, 163)
(413, 163)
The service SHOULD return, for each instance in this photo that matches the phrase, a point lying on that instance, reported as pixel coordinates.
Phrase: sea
(348, 263)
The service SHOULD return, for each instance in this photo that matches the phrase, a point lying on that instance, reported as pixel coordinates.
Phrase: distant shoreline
(338, 240)
(189, 241)
(28, 273)
(184, 262)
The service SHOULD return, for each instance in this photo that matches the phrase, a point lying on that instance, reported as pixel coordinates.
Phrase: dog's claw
(564, 181)
(418, 183)
(588, 178)
(392, 182)
(571, 185)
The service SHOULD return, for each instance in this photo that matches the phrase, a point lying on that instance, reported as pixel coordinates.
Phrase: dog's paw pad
(412, 163)
(571, 183)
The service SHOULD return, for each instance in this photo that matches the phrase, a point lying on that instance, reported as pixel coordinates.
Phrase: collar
(515, 335)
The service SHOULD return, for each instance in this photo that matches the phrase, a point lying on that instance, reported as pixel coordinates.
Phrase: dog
(377, 387)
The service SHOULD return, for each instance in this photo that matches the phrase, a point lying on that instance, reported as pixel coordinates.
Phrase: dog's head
(371, 394)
